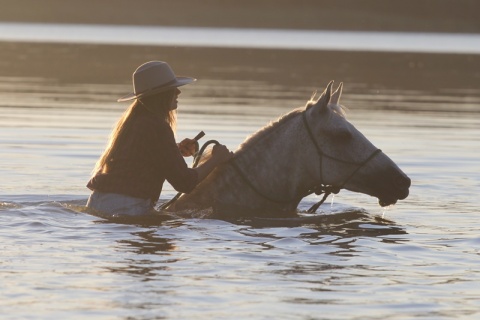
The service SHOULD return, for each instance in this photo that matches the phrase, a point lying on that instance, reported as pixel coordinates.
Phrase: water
(353, 260)
(243, 38)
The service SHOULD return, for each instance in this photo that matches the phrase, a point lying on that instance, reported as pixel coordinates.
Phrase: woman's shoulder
(153, 125)
(150, 120)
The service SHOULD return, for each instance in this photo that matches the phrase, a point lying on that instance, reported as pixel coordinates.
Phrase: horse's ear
(337, 94)
(324, 99)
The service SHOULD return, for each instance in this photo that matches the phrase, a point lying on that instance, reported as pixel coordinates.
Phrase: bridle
(322, 188)
(319, 188)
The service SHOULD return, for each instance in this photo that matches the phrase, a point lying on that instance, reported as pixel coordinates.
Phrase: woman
(142, 152)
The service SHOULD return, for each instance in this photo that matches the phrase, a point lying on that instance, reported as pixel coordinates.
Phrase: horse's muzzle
(401, 185)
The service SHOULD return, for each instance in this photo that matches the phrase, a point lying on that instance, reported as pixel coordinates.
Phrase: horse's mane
(258, 135)
(255, 137)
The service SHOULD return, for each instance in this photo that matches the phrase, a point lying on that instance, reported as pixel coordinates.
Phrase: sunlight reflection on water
(352, 259)
(242, 38)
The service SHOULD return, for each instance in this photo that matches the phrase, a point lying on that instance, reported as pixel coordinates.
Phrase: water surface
(353, 260)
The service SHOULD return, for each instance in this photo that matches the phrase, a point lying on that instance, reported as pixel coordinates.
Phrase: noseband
(322, 188)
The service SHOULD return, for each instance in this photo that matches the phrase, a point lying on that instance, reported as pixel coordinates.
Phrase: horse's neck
(277, 163)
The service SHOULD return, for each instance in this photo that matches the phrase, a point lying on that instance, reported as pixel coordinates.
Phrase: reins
(253, 187)
(196, 160)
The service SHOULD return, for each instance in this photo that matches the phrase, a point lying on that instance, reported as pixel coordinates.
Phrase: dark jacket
(147, 156)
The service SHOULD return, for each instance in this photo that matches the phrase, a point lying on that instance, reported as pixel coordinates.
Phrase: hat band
(169, 83)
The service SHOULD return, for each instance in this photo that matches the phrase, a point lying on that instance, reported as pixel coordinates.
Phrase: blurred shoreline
(114, 64)
(457, 16)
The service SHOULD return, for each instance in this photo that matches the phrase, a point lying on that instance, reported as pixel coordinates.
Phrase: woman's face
(174, 103)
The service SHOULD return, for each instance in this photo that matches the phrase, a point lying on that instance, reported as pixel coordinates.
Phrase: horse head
(347, 159)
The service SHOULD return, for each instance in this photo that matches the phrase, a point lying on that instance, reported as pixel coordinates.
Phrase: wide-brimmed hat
(153, 77)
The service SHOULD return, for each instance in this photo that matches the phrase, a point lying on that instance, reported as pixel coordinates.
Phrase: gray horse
(311, 149)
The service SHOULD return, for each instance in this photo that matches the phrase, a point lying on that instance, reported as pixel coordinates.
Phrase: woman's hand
(188, 147)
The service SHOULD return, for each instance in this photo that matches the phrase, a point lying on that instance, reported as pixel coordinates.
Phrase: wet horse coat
(311, 149)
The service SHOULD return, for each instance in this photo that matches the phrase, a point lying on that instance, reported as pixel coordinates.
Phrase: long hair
(159, 105)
